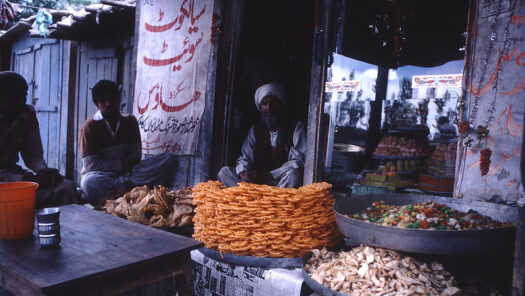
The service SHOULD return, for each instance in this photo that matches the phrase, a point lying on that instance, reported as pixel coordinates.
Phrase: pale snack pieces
(158, 207)
(366, 270)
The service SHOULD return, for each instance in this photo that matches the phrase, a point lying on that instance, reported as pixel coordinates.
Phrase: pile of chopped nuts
(367, 270)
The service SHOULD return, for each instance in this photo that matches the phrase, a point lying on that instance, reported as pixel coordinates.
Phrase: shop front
(403, 99)
(413, 132)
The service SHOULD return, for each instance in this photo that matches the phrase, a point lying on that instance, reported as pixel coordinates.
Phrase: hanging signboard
(448, 80)
(339, 86)
(172, 65)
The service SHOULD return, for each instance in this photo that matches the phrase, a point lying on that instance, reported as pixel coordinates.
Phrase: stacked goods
(403, 165)
(401, 146)
(264, 221)
(396, 163)
(387, 179)
(436, 184)
(427, 215)
(443, 160)
(441, 169)
(156, 208)
(374, 271)
(445, 152)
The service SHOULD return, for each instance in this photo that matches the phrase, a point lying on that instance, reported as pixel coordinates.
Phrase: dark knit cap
(12, 84)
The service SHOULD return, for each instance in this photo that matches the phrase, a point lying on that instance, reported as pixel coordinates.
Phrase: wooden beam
(518, 281)
(374, 122)
(229, 38)
(15, 31)
(96, 7)
(202, 162)
(324, 36)
(119, 4)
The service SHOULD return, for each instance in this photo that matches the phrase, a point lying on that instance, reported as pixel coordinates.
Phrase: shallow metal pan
(264, 262)
(445, 242)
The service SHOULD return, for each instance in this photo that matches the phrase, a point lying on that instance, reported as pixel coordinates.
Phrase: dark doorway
(275, 45)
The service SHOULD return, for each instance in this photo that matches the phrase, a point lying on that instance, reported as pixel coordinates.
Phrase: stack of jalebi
(264, 221)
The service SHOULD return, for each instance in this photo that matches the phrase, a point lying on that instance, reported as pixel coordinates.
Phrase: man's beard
(272, 122)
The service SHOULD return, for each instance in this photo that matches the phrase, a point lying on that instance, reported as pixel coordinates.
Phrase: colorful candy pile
(427, 215)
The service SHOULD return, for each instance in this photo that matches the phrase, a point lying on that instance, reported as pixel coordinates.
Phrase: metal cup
(48, 228)
(49, 240)
(48, 225)
(48, 215)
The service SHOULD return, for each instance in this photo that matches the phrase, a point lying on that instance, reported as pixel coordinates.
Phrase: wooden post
(374, 122)
(518, 281)
(324, 36)
(226, 64)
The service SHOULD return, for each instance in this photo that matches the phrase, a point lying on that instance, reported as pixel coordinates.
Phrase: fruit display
(427, 215)
(403, 165)
(392, 172)
(401, 146)
(397, 160)
(389, 179)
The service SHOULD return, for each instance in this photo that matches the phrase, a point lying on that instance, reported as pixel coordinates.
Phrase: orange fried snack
(264, 221)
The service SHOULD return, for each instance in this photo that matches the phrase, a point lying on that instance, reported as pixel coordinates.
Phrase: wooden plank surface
(64, 107)
(128, 78)
(80, 108)
(96, 248)
(41, 91)
(55, 79)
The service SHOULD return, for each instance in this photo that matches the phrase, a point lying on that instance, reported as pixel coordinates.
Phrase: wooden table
(99, 255)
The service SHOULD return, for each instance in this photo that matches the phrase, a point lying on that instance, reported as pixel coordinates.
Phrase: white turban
(270, 89)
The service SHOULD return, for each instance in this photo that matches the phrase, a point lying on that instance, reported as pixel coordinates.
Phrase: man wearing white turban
(273, 152)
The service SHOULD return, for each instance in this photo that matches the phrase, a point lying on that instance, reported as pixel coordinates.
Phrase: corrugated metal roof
(96, 21)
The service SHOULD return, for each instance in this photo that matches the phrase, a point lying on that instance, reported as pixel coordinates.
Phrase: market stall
(396, 162)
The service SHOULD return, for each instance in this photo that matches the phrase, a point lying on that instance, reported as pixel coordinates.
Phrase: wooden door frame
(324, 44)
(226, 65)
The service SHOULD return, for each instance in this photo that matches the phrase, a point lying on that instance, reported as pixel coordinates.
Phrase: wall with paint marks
(494, 83)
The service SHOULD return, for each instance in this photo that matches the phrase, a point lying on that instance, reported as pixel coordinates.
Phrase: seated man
(20, 133)
(111, 150)
(273, 153)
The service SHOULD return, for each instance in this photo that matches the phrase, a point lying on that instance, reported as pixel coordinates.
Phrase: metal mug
(48, 228)
(48, 225)
(49, 240)
(48, 215)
